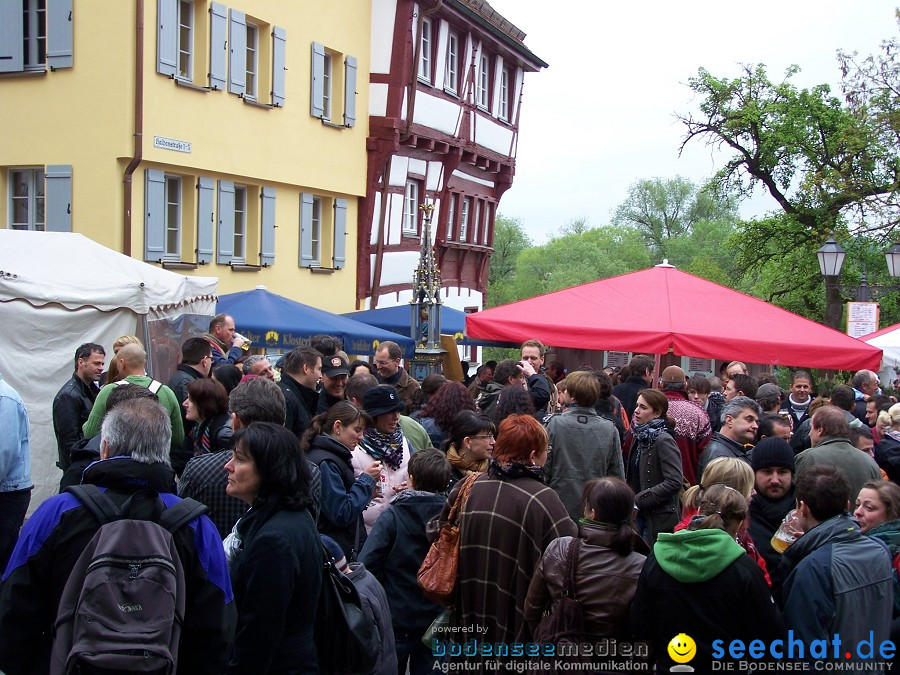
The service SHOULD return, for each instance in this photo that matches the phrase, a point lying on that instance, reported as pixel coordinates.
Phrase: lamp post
(425, 306)
(831, 261)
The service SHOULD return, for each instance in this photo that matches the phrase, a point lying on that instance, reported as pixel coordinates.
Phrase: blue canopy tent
(273, 321)
(397, 320)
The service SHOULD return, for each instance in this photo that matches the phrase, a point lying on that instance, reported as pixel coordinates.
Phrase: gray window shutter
(59, 33)
(218, 45)
(350, 91)
(206, 197)
(267, 249)
(12, 59)
(237, 60)
(340, 233)
(167, 37)
(155, 215)
(306, 214)
(226, 222)
(279, 43)
(316, 102)
(58, 196)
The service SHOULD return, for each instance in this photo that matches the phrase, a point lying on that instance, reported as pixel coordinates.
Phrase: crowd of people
(719, 507)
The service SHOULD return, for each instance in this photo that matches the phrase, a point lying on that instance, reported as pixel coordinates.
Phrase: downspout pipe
(138, 124)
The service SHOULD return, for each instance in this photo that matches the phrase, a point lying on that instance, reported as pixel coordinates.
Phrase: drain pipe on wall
(138, 123)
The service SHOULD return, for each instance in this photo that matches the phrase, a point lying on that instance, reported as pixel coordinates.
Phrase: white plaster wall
(451, 297)
(492, 135)
(473, 179)
(376, 218)
(378, 94)
(403, 107)
(495, 99)
(398, 267)
(394, 220)
(436, 113)
(416, 166)
(434, 179)
(519, 78)
(383, 15)
(399, 169)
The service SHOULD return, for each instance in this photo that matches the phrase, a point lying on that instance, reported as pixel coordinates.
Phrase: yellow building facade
(218, 139)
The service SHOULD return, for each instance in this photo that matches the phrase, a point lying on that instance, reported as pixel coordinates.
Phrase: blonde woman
(112, 375)
(733, 473)
(887, 452)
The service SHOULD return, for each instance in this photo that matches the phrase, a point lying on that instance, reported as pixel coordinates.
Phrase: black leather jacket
(71, 409)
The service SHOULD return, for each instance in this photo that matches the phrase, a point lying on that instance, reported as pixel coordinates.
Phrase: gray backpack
(123, 604)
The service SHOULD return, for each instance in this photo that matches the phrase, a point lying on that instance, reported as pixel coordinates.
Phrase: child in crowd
(395, 549)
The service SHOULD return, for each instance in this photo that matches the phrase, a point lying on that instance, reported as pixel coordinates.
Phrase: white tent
(888, 340)
(59, 290)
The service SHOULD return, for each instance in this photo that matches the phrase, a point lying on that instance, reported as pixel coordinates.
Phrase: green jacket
(166, 399)
(693, 556)
(415, 433)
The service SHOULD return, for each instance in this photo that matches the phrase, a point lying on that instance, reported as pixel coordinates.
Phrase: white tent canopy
(59, 290)
(888, 340)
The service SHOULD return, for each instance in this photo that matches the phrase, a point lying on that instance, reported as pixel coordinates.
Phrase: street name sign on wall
(171, 144)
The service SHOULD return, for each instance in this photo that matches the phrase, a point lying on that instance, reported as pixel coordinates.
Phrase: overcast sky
(602, 116)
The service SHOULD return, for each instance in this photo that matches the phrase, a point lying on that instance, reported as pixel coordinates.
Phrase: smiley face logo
(682, 648)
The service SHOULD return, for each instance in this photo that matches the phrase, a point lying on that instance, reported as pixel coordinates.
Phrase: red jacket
(692, 431)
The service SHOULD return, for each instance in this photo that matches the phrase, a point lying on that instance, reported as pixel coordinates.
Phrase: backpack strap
(181, 514)
(154, 386)
(96, 501)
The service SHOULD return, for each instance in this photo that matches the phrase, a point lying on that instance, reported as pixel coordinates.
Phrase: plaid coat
(506, 525)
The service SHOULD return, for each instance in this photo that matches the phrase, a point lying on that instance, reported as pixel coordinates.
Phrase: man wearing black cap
(772, 461)
(335, 373)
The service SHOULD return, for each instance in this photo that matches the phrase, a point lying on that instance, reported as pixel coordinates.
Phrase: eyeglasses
(384, 363)
(484, 436)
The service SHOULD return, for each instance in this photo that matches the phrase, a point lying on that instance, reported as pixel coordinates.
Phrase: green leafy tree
(831, 165)
(509, 241)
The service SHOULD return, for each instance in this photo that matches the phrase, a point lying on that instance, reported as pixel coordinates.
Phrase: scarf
(216, 341)
(387, 448)
(465, 465)
(799, 407)
(514, 470)
(646, 434)
(200, 437)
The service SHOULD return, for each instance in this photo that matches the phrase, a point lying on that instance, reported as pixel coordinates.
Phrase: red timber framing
(467, 177)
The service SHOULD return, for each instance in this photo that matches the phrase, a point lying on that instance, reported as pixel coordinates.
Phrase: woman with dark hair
(606, 569)
(469, 446)
(276, 562)
(513, 399)
(701, 582)
(207, 406)
(653, 465)
(508, 520)
(228, 375)
(360, 366)
(431, 385)
(328, 443)
(442, 408)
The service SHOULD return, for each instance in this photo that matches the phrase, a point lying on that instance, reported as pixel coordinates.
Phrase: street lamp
(831, 260)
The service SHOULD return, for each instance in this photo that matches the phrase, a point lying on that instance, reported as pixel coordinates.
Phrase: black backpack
(124, 601)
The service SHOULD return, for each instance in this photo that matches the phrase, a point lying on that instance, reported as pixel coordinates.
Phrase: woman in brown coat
(508, 520)
(607, 567)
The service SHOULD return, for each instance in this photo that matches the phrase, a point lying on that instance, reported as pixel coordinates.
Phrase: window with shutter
(425, 47)
(306, 218)
(206, 195)
(340, 233)
(58, 180)
(218, 45)
(279, 44)
(26, 199)
(451, 76)
(349, 91)
(267, 245)
(237, 52)
(155, 215)
(167, 37)
(225, 239)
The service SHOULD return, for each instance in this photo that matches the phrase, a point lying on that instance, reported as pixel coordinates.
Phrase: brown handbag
(437, 575)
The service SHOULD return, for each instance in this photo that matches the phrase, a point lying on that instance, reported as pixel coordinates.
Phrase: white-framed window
(26, 199)
(451, 217)
(411, 208)
(173, 217)
(326, 87)
(451, 77)
(425, 46)
(186, 40)
(476, 234)
(464, 220)
(252, 68)
(34, 24)
(316, 226)
(240, 224)
(504, 113)
(484, 90)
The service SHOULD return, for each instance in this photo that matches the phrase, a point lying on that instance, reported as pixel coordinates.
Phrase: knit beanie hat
(334, 550)
(772, 451)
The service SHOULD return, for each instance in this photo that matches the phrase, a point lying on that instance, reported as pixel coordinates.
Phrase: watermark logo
(682, 649)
